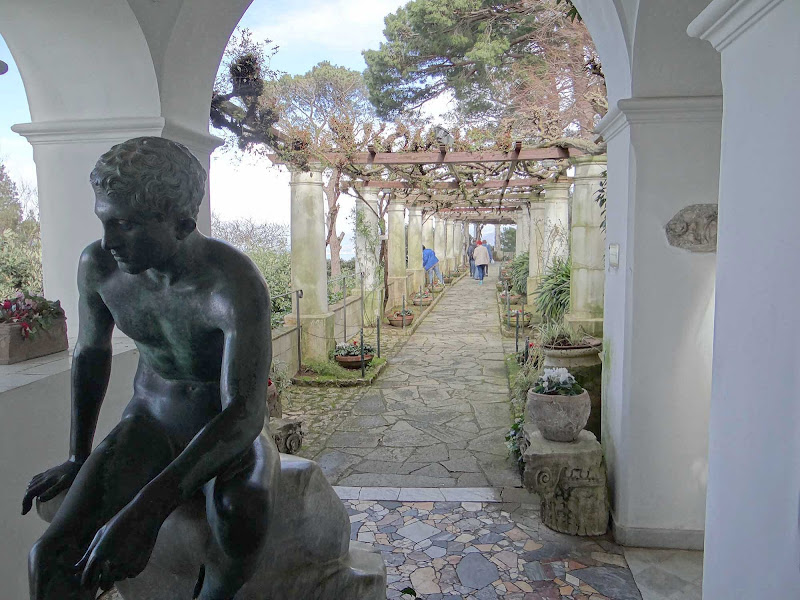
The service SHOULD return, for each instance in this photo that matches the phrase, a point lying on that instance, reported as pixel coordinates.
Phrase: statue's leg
(128, 458)
(239, 505)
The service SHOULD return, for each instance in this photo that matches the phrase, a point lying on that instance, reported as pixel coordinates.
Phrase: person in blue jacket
(431, 265)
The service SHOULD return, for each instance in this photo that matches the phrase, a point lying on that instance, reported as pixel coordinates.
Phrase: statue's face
(137, 242)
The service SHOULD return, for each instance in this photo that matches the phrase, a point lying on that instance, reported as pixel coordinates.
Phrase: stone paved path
(436, 417)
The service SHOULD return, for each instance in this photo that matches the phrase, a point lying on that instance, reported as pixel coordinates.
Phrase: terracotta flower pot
(353, 362)
(511, 321)
(401, 321)
(14, 348)
(559, 418)
(422, 301)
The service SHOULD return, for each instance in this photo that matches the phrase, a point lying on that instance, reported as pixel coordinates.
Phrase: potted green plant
(423, 298)
(558, 406)
(512, 297)
(401, 318)
(30, 326)
(348, 354)
(448, 279)
(436, 287)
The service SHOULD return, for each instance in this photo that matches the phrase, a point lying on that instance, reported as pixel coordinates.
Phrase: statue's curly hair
(152, 174)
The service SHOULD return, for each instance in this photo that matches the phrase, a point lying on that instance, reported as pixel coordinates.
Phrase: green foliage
(552, 295)
(20, 246)
(276, 268)
(600, 197)
(330, 372)
(279, 374)
(31, 312)
(514, 437)
(519, 273)
(559, 335)
(508, 239)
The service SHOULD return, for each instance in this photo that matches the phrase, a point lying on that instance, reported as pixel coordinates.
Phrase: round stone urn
(583, 362)
(559, 418)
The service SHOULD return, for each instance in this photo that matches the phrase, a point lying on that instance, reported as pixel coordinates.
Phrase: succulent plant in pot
(558, 406)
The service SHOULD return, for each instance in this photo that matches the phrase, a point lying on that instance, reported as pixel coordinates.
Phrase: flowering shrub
(353, 348)
(31, 312)
(557, 382)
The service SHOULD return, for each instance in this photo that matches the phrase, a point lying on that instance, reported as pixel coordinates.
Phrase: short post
(362, 352)
(362, 300)
(299, 294)
(508, 299)
(403, 314)
(344, 308)
(516, 332)
(527, 353)
(378, 320)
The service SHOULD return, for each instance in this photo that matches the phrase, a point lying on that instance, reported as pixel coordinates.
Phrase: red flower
(25, 328)
(269, 381)
(6, 304)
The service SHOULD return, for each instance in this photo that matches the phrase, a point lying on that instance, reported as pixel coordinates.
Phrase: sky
(241, 186)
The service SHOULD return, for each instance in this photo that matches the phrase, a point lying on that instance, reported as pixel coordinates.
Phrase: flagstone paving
(486, 551)
(436, 417)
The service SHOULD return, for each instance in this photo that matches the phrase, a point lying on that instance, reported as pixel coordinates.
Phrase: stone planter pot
(448, 280)
(500, 286)
(583, 362)
(422, 301)
(353, 362)
(512, 321)
(274, 402)
(437, 289)
(559, 418)
(401, 321)
(513, 298)
(14, 348)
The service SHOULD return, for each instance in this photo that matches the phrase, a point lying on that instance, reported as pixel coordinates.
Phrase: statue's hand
(49, 484)
(122, 547)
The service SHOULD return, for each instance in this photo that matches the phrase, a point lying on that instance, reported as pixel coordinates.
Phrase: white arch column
(753, 445)
(368, 251)
(536, 248)
(440, 242)
(309, 266)
(414, 268)
(587, 248)
(556, 229)
(451, 245)
(427, 229)
(397, 253)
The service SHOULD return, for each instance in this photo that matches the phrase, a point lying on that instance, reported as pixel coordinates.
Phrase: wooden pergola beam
(441, 158)
(452, 185)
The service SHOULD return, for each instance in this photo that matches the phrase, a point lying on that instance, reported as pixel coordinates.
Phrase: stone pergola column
(427, 229)
(587, 248)
(523, 230)
(536, 249)
(309, 268)
(368, 246)
(397, 252)
(440, 242)
(451, 245)
(414, 268)
(556, 230)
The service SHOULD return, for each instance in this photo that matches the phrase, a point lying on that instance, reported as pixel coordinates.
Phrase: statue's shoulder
(95, 263)
(234, 271)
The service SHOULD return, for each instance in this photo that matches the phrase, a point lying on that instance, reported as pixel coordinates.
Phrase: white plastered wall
(754, 449)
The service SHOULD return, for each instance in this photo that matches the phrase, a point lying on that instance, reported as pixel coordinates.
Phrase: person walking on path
(470, 250)
(431, 265)
(481, 255)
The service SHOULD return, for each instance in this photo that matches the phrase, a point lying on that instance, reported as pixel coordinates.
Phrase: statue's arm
(91, 366)
(91, 361)
(244, 311)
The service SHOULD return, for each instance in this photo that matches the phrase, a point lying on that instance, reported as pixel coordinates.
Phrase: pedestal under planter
(353, 362)
(14, 348)
(583, 362)
(401, 321)
(559, 418)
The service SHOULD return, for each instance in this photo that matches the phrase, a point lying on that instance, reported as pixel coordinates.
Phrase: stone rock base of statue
(570, 478)
(288, 434)
(309, 555)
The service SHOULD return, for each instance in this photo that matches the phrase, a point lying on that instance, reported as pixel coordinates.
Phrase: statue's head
(148, 192)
